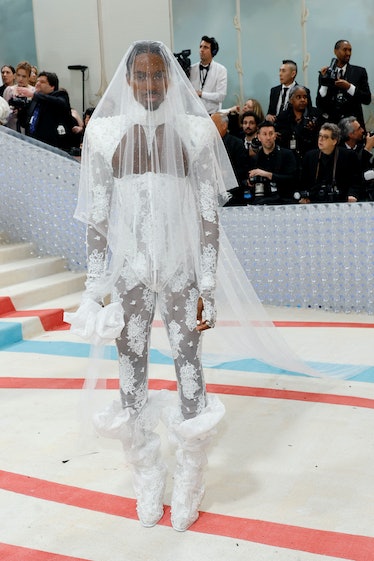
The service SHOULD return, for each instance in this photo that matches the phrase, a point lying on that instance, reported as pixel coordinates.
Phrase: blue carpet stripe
(11, 341)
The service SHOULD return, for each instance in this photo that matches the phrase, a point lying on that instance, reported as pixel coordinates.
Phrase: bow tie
(202, 67)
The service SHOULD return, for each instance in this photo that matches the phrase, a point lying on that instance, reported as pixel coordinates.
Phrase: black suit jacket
(347, 174)
(274, 97)
(339, 103)
(50, 112)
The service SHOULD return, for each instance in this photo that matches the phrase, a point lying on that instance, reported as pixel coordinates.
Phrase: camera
(259, 185)
(255, 144)
(310, 122)
(298, 195)
(18, 102)
(331, 74)
(328, 194)
(184, 60)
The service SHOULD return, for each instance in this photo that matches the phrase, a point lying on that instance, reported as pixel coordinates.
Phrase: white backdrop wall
(70, 32)
(266, 31)
(254, 36)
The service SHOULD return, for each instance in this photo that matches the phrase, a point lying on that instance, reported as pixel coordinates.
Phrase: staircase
(34, 292)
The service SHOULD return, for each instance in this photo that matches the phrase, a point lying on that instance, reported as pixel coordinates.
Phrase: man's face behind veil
(148, 79)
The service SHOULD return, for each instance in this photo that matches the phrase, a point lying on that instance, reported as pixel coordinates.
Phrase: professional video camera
(331, 75)
(184, 60)
(18, 102)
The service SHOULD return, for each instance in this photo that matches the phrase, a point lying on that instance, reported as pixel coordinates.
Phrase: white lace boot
(142, 452)
(193, 437)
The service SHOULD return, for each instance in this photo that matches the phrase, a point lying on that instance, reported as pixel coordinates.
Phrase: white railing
(319, 256)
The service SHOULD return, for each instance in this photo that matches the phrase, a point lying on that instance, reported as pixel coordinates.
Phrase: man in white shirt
(209, 78)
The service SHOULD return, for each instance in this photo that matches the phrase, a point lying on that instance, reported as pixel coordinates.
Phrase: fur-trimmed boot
(142, 451)
(192, 438)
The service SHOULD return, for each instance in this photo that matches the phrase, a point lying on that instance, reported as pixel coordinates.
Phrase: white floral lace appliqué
(136, 334)
(207, 202)
(191, 308)
(175, 338)
(95, 265)
(100, 203)
(127, 375)
(188, 380)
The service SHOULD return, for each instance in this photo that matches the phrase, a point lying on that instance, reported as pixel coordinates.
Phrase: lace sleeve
(208, 200)
(100, 188)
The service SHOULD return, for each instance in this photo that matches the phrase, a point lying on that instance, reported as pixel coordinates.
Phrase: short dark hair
(214, 47)
(52, 78)
(249, 114)
(9, 66)
(290, 62)
(264, 124)
(338, 43)
(333, 128)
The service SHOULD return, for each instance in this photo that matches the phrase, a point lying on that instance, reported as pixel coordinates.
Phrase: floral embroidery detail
(127, 375)
(208, 267)
(176, 337)
(95, 265)
(178, 281)
(188, 380)
(100, 203)
(136, 334)
(128, 275)
(208, 202)
(191, 308)
(148, 298)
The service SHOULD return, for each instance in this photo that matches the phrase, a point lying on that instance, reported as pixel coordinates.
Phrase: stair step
(3, 238)
(69, 302)
(16, 272)
(38, 291)
(15, 251)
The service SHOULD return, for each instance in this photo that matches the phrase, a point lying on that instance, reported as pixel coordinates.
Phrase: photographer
(272, 171)
(16, 98)
(330, 174)
(342, 87)
(49, 117)
(208, 77)
(298, 125)
(354, 138)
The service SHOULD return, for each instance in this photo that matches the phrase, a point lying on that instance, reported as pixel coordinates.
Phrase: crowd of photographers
(295, 153)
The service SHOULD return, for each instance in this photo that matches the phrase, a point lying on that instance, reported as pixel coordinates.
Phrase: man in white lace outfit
(154, 172)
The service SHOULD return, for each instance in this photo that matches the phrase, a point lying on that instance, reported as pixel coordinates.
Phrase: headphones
(214, 47)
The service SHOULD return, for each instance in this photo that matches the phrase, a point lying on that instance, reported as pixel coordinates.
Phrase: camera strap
(333, 167)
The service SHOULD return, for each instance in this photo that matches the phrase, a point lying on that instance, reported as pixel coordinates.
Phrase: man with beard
(272, 170)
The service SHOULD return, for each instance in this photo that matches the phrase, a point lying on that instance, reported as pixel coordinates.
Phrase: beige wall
(67, 33)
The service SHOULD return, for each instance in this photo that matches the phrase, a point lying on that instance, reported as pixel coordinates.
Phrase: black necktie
(283, 100)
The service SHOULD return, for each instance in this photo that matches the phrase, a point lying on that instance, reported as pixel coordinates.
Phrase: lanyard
(203, 74)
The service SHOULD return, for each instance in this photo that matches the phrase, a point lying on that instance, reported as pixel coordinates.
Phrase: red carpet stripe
(320, 542)
(16, 553)
(155, 384)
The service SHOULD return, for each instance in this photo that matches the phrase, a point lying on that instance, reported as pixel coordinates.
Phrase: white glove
(97, 324)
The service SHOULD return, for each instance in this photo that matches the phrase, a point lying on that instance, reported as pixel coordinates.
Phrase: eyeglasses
(324, 136)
